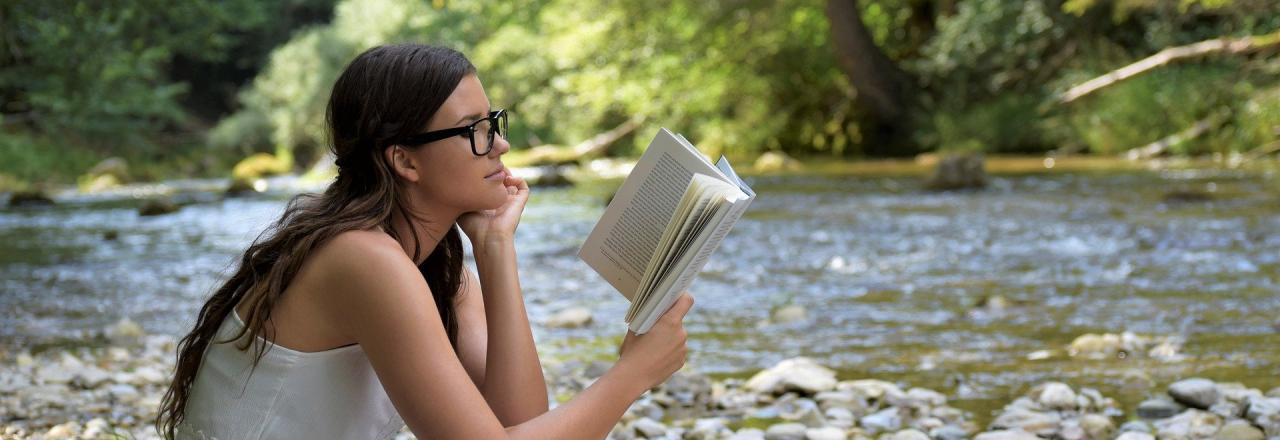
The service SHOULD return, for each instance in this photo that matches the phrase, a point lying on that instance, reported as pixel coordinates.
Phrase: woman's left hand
(499, 223)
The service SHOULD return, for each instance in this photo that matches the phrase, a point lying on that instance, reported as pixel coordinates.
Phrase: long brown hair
(384, 94)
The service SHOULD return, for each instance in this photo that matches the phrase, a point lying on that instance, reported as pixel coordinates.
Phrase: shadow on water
(976, 294)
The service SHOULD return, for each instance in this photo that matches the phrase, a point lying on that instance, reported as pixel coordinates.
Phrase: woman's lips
(497, 175)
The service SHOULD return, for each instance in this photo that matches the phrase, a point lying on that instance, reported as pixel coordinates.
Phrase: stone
(1029, 421)
(1196, 392)
(841, 399)
(785, 431)
(789, 313)
(1010, 434)
(871, 389)
(747, 434)
(1136, 426)
(920, 398)
(1157, 409)
(649, 428)
(797, 374)
(123, 392)
(712, 428)
(886, 420)
(1071, 430)
(1265, 412)
(1239, 430)
(30, 198)
(827, 433)
(66, 431)
(1097, 426)
(1192, 423)
(125, 332)
(1057, 395)
(1275, 392)
(570, 318)
(949, 432)
(774, 161)
(156, 207)
(1135, 435)
(840, 417)
(95, 428)
(907, 434)
(958, 171)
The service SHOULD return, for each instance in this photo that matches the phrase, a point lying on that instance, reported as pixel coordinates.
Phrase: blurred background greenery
(191, 88)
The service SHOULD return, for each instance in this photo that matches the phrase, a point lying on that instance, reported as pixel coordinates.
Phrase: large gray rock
(797, 374)
(1195, 392)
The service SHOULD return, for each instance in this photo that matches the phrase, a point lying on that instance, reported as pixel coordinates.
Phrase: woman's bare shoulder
(360, 247)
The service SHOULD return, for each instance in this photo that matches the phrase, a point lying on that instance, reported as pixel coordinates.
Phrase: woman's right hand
(654, 356)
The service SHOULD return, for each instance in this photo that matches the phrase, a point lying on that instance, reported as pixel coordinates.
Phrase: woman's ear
(402, 163)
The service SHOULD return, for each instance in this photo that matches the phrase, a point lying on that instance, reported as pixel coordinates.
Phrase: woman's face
(448, 174)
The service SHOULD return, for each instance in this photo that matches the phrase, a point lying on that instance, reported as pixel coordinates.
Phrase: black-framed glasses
(492, 126)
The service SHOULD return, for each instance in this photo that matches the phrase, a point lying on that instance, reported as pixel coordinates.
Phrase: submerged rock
(954, 172)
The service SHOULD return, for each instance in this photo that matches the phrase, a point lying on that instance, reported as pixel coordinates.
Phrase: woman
(360, 312)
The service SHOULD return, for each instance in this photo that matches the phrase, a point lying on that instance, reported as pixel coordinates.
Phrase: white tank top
(332, 394)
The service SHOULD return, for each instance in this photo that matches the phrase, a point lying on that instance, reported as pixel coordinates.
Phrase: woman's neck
(430, 229)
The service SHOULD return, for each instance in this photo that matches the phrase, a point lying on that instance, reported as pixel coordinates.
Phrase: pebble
(790, 313)
(1157, 409)
(1196, 392)
(1057, 395)
(827, 433)
(785, 431)
(1135, 435)
(648, 427)
(1239, 430)
(908, 434)
(883, 421)
(747, 434)
(570, 318)
(1010, 434)
(949, 432)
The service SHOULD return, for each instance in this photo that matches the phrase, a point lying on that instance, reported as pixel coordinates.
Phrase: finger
(682, 306)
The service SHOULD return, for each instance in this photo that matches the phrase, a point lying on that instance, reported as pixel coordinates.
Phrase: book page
(627, 235)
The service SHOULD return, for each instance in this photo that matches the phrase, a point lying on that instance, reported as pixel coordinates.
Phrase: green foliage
(1121, 117)
(1008, 123)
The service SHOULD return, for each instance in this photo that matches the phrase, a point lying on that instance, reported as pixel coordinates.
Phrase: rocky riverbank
(113, 391)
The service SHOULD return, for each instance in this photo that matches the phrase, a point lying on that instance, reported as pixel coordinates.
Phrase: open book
(666, 220)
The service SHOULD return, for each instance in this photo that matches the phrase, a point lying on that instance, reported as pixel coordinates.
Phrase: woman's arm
(513, 383)
(378, 298)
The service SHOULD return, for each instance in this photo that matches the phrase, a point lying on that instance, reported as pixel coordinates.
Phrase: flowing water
(953, 291)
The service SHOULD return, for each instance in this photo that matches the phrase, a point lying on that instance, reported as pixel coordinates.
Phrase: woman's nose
(500, 145)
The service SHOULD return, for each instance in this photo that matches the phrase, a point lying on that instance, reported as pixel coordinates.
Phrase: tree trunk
(883, 89)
